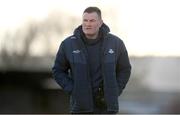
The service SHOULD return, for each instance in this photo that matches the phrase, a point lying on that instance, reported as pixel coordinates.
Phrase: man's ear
(101, 22)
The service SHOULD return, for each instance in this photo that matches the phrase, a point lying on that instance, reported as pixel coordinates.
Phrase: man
(92, 66)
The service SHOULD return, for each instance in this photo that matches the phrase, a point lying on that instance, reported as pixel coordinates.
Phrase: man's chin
(89, 34)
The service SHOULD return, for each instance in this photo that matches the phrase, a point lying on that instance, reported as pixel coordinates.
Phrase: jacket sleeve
(60, 70)
(123, 68)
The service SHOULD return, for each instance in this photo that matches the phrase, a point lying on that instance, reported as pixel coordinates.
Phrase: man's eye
(92, 20)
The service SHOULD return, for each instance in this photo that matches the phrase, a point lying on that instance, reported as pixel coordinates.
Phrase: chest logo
(111, 51)
(76, 51)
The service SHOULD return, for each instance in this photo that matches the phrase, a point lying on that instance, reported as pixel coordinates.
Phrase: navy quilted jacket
(71, 70)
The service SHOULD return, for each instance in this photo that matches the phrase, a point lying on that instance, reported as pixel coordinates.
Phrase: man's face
(91, 23)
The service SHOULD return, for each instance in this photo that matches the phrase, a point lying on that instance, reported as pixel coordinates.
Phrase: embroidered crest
(76, 51)
(111, 51)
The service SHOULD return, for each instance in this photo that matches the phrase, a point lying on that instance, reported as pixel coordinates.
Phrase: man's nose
(88, 23)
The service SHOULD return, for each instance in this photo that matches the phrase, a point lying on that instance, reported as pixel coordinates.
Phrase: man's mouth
(88, 28)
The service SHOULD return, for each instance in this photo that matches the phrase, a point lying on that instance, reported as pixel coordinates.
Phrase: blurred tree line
(35, 40)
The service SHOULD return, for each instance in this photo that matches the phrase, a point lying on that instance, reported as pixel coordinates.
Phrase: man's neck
(92, 36)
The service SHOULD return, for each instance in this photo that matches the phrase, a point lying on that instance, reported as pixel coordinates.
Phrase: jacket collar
(78, 34)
